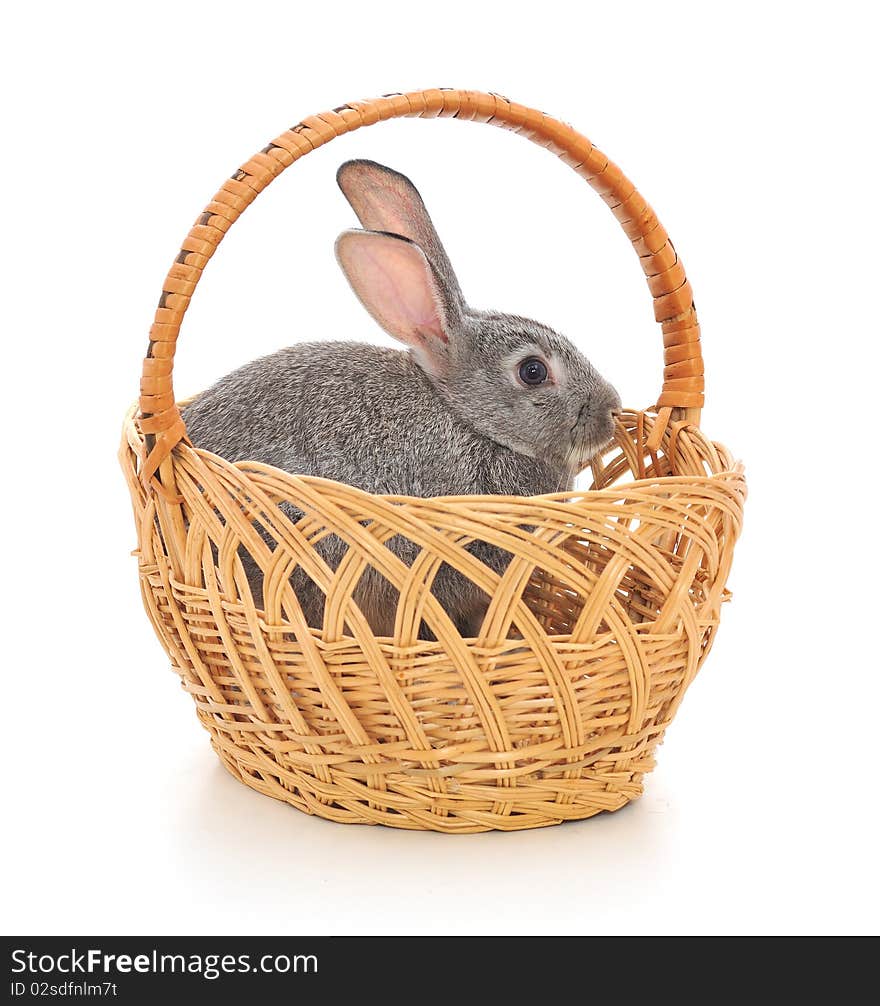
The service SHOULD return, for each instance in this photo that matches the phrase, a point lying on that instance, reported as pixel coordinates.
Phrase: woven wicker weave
(595, 629)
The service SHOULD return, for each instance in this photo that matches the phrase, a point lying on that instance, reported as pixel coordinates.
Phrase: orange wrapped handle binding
(682, 394)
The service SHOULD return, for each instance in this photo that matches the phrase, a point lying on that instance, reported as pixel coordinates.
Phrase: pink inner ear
(393, 280)
(379, 215)
(417, 303)
(377, 204)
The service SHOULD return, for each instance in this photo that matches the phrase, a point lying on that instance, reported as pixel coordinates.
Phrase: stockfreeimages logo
(210, 966)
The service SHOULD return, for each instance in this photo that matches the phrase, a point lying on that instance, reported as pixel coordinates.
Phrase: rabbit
(479, 402)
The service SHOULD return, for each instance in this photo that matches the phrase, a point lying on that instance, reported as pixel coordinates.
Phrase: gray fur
(374, 418)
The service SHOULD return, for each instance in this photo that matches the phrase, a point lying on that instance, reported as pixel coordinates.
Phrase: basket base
(589, 798)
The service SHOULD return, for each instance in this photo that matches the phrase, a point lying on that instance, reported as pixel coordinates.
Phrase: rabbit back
(360, 414)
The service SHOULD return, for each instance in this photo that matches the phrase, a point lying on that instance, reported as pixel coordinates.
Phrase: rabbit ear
(385, 200)
(395, 282)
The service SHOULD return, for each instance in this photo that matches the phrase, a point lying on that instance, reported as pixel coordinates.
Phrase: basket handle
(681, 396)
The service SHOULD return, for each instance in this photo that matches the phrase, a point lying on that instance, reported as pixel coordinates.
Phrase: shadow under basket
(595, 626)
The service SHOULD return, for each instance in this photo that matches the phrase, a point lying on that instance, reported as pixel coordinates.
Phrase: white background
(752, 130)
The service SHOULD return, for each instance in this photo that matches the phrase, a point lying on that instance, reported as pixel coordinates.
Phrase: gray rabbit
(481, 403)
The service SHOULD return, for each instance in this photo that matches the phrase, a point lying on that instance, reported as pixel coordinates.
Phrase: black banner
(391, 968)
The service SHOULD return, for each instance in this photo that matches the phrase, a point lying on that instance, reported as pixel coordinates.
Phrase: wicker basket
(594, 631)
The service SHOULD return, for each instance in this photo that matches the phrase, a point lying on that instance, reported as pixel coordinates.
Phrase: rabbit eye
(533, 371)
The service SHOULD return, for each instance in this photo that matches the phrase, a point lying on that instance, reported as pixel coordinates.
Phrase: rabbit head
(514, 380)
